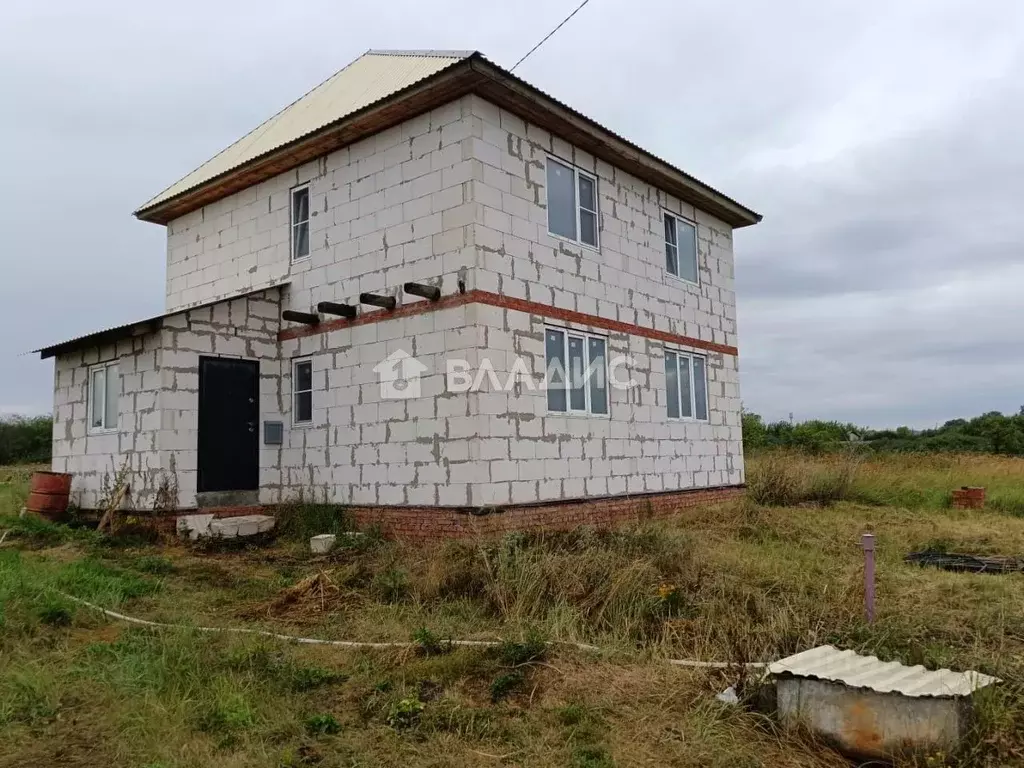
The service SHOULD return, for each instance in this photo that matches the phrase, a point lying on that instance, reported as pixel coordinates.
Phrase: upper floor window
(577, 372)
(572, 203)
(681, 248)
(104, 391)
(300, 223)
(686, 380)
(302, 391)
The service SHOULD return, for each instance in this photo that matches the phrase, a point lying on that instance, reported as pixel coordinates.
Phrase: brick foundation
(431, 523)
(438, 523)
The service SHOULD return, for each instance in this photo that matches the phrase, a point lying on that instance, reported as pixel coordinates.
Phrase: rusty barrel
(48, 494)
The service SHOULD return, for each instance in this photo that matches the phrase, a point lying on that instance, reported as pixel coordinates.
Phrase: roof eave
(518, 96)
(443, 86)
(107, 336)
(474, 74)
(146, 326)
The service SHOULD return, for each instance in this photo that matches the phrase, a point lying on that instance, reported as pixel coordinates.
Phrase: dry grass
(899, 480)
(736, 582)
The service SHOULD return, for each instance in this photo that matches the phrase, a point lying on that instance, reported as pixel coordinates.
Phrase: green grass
(734, 582)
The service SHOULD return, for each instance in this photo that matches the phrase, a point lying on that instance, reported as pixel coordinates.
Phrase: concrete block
(194, 526)
(243, 525)
(322, 544)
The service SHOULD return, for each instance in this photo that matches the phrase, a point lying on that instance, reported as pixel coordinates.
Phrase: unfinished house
(434, 294)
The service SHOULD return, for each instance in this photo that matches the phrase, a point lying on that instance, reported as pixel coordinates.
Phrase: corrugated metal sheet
(130, 329)
(829, 663)
(370, 78)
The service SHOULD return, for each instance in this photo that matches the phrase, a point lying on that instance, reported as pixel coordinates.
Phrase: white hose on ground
(365, 644)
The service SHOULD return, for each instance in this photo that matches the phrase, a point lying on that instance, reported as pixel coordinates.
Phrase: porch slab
(243, 525)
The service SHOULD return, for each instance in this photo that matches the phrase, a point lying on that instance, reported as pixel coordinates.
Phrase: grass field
(731, 583)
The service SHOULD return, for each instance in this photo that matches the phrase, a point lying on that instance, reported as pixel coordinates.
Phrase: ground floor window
(577, 372)
(302, 391)
(104, 391)
(686, 380)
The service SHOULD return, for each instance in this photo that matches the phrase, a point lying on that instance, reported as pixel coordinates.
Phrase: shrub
(391, 585)
(229, 711)
(322, 725)
(309, 678)
(405, 713)
(505, 684)
(429, 644)
(534, 648)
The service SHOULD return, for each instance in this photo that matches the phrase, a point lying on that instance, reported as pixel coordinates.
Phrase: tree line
(25, 439)
(991, 432)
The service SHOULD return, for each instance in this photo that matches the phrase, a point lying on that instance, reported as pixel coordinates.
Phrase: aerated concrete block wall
(625, 279)
(386, 210)
(638, 448)
(527, 454)
(158, 407)
(364, 448)
(244, 328)
(94, 458)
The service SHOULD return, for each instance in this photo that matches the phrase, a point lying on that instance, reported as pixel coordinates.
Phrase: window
(300, 223)
(681, 248)
(572, 203)
(577, 372)
(104, 391)
(686, 380)
(302, 391)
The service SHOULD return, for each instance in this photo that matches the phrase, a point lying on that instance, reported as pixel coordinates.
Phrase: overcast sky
(882, 141)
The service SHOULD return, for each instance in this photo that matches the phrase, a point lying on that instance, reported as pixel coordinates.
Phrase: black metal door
(228, 425)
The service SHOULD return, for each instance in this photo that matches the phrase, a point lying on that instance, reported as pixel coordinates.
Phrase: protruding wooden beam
(433, 293)
(376, 300)
(308, 318)
(331, 308)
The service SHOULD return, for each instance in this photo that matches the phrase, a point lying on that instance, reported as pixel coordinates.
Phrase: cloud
(880, 141)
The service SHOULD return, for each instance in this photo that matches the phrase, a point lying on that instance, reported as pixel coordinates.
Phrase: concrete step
(243, 525)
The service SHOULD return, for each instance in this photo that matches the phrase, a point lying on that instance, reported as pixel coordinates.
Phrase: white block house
(339, 278)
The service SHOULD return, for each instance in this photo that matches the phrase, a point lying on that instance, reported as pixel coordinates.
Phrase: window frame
(690, 356)
(105, 429)
(294, 225)
(587, 411)
(577, 172)
(296, 362)
(696, 255)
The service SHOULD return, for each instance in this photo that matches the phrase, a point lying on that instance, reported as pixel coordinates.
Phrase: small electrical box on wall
(273, 432)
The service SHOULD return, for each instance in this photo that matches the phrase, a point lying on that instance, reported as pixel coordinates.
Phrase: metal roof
(827, 662)
(373, 76)
(138, 327)
(382, 88)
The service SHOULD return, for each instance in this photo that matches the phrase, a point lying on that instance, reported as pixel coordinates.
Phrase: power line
(549, 34)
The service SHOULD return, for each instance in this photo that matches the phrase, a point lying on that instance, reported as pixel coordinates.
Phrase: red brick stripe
(505, 302)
